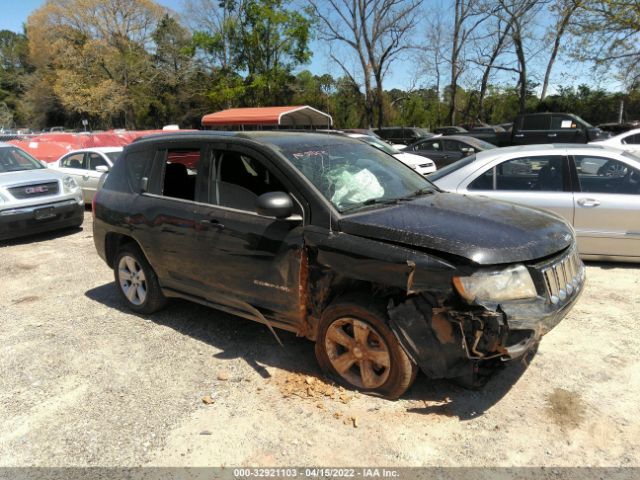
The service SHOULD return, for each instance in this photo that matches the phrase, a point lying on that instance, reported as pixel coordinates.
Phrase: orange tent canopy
(294, 116)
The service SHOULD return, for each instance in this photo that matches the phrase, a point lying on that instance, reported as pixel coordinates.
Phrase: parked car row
(527, 129)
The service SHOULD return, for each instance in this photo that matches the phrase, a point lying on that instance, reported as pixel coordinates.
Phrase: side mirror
(102, 169)
(274, 204)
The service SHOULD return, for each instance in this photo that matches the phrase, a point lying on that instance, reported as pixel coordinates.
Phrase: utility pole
(621, 111)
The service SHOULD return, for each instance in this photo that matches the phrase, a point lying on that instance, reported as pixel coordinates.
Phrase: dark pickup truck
(335, 240)
(535, 128)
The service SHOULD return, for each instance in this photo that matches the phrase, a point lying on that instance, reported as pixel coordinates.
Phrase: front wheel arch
(393, 375)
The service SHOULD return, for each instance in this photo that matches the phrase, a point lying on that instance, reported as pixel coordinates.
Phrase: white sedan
(86, 166)
(420, 164)
(594, 188)
(629, 141)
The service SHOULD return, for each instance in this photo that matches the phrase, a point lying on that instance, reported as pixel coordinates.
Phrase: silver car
(594, 188)
(86, 166)
(34, 198)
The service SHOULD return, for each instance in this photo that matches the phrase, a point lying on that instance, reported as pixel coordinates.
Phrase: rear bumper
(21, 221)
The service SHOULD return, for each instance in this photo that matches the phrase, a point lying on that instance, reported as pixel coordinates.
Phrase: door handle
(552, 135)
(588, 202)
(85, 177)
(519, 135)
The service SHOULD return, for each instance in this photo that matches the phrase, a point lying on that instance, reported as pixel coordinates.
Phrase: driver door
(537, 181)
(243, 255)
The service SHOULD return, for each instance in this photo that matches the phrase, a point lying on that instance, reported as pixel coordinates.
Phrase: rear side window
(536, 122)
(543, 173)
(632, 139)
(453, 146)
(180, 172)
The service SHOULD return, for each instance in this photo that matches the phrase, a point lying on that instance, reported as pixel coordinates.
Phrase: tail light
(93, 206)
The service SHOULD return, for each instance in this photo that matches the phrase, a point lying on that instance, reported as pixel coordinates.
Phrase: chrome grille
(563, 277)
(34, 190)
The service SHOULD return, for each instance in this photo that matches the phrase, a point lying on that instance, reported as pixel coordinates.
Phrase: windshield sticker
(566, 124)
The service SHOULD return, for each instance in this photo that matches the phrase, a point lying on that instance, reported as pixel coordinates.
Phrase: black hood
(482, 230)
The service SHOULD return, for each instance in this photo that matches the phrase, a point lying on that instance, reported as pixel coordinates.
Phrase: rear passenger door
(164, 214)
(541, 181)
(243, 255)
(532, 129)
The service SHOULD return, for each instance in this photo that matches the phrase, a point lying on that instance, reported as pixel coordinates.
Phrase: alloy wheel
(132, 280)
(358, 353)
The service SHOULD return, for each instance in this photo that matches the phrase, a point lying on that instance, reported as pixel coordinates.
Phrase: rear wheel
(357, 348)
(137, 282)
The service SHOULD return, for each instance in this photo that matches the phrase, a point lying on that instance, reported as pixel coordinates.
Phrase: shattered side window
(351, 176)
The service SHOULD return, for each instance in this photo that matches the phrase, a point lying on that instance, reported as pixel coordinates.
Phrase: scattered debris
(308, 387)
(206, 432)
(223, 376)
(208, 400)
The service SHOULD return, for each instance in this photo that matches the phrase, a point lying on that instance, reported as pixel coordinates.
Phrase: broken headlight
(513, 283)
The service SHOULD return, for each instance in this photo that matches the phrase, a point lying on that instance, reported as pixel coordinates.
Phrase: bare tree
(520, 13)
(376, 31)
(433, 58)
(489, 48)
(213, 22)
(468, 16)
(565, 10)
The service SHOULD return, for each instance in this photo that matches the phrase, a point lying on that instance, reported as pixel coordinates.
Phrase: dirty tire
(136, 281)
(356, 347)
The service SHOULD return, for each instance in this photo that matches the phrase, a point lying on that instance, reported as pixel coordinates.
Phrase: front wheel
(357, 348)
(137, 282)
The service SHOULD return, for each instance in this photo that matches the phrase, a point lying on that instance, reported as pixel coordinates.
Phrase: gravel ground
(83, 382)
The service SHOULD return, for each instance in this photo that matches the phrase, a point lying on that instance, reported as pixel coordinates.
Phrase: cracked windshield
(353, 176)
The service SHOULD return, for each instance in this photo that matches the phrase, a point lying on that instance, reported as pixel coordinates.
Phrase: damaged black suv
(335, 240)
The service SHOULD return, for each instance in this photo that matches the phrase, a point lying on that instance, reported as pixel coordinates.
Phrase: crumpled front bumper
(445, 341)
(537, 326)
